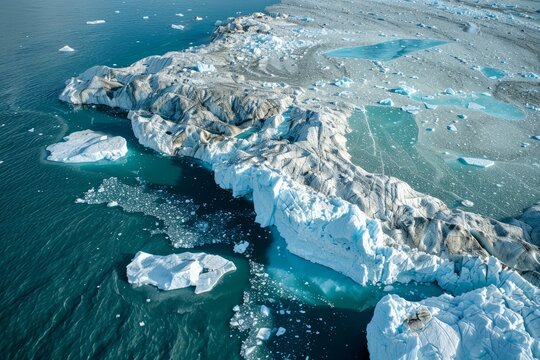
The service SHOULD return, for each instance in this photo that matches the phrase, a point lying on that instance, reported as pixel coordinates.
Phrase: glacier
(295, 166)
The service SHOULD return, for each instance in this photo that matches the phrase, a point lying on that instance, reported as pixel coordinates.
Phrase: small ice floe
(204, 68)
(198, 18)
(344, 82)
(386, 102)
(483, 163)
(180, 15)
(141, 323)
(388, 288)
(31, 130)
(462, 116)
(451, 128)
(88, 146)
(403, 90)
(411, 109)
(264, 333)
(475, 106)
(177, 271)
(117, 11)
(280, 331)
(265, 310)
(241, 247)
(112, 204)
(467, 203)
(95, 22)
(66, 48)
(536, 137)
(177, 26)
(449, 91)
(146, 17)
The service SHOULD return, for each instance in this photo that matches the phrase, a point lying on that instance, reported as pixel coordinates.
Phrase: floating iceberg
(88, 146)
(95, 22)
(489, 323)
(483, 163)
(177, 271)
(66, 48)
(177, 26)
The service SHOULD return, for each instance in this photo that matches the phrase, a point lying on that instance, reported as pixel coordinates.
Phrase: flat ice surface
(177, 271)
(87, 146)
(482, 102)
(483, 163)
(386, 51)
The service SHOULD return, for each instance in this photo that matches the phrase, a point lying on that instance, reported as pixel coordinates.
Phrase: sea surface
(63, 287)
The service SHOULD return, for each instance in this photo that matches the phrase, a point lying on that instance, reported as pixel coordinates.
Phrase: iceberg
(343, 82)
(95, 22)
(177, 26)
(87, 146)
(403, 90)
(483, 163)
(500, 321)
(177, 271)
(66, 48)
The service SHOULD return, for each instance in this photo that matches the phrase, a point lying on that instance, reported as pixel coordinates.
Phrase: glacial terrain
(360, 149)
(266, 104)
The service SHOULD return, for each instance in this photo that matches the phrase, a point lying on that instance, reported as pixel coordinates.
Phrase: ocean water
(386, 51)
(63, 285)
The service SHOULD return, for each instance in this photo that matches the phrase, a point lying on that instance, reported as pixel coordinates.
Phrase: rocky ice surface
(177, 271)
(295, 165)
(87, 146)
(500, 321)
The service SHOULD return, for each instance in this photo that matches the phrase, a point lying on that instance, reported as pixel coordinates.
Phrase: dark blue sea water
(63, 288)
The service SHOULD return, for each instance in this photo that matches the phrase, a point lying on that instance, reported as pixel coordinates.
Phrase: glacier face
(370, 227)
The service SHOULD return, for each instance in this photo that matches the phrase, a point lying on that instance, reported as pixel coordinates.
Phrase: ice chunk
(449, 91)
(386, 102)
(264, 334)
(536, 137)
(451, 128)
(205, 68)
(66, 48)
(198, 18)
(343, 82)
(178, 271)
(471, 28)
(403, 90)
(467, 203)
(145, 17)
(265, 310)
(88, 146)
(177, 26)
(95, 22)
(411, 109)
(483, 163)
(241, 247)
(280, 331)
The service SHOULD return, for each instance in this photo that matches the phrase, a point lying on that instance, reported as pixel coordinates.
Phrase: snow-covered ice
(95, 22)
(66, 48)
(177, 26)
(88, 146)
(241, 247)
(178, 271)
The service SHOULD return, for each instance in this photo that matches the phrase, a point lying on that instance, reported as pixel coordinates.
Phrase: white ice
(178, 271)
(66, 48)
(483, 163)
(87, 146)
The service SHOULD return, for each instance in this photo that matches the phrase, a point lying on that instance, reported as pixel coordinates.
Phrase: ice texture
(483, 163)
(500, 321)
(87, 146)
(177, 271)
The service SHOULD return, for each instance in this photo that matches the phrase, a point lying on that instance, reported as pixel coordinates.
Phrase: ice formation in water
(177, 271)
(88, 146)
